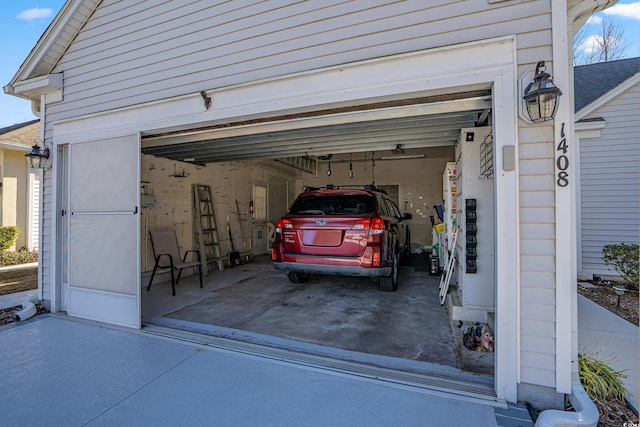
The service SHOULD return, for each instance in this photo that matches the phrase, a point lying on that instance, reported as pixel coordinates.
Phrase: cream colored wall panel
(537, 167)
(532, 39)
(537, 183)
(538, 150)
(536, 199)
(537, 215)
(538, 328)
(537, 312)
(534, 134)
(538, 360)
(542, 279)
(536, 263)
(534, 344)
(537, 247)
(544, 377)
(537, 231)
(539, 295)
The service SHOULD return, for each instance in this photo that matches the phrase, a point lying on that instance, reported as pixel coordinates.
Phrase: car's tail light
(377, 226)
(273, 254)
(374, 225)
(283, 223)
(375, 262)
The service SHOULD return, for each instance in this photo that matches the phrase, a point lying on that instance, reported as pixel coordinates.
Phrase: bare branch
(606, 45)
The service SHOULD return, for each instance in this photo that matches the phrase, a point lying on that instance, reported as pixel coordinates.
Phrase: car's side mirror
(407, 216)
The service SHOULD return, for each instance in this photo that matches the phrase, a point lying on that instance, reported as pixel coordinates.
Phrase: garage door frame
(490, 62)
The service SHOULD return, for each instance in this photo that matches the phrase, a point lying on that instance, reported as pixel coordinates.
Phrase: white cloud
(629, 10)
(594, 19)
(36, 13)
(589, 44)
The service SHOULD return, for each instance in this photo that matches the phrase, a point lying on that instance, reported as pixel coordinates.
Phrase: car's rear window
(334, 204)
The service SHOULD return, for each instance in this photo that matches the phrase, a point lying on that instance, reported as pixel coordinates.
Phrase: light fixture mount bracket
(206, 99)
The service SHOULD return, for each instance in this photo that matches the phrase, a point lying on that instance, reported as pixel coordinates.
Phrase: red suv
(342, 231)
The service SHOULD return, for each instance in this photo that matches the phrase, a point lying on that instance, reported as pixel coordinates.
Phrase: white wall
(229, 181)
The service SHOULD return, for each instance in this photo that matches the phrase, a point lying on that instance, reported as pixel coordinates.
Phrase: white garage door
(104, 266)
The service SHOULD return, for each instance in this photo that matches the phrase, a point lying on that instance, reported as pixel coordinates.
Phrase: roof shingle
(26, 133)
(592, 81)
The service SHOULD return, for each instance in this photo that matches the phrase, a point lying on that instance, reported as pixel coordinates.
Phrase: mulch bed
(8, 315)
(604, 295)
(614, 413)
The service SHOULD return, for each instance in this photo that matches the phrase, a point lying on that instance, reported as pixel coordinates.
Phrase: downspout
(586, 413)
(38, 110)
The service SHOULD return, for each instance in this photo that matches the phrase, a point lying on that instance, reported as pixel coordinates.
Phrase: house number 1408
(562, 161)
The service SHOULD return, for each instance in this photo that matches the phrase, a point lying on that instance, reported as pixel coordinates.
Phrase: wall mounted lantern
(37, 158)
(541, 96)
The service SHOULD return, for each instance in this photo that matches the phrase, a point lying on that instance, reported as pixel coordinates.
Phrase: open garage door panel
(104, 271)
(412, 126)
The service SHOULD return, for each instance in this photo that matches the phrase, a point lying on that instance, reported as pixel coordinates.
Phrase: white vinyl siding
(610, 181)
(537, 255)
(135, 52)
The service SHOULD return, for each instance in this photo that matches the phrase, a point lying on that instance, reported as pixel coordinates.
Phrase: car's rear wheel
(295, 277)
(390, 283)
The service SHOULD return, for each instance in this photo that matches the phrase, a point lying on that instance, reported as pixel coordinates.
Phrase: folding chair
(167, 255)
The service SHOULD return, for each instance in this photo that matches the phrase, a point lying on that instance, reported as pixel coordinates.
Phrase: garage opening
(432, 156)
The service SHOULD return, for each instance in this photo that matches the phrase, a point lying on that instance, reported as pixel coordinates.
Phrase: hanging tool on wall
(244, 242)
(234, 256)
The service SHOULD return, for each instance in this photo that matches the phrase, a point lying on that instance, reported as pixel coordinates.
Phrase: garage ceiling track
(414, 126)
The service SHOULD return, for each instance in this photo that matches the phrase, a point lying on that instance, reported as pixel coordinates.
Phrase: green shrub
(8, 236)
(600, 381)
(624, 260)
(17, 257)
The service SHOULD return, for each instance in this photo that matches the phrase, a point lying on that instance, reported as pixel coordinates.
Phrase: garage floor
(352, 314)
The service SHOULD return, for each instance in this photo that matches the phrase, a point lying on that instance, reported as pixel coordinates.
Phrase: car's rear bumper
(336, 270)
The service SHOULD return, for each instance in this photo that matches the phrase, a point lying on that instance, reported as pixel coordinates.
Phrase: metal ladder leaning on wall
(449, 266)
(205, 231)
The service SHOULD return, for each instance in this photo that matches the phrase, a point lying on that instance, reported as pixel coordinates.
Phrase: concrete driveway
(59, 372)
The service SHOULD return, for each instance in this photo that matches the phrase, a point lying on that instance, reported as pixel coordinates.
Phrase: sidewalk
(605, 335)
(12, 300)
(63, 372)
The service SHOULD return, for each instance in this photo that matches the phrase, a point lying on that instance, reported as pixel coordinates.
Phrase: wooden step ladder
(205, 231)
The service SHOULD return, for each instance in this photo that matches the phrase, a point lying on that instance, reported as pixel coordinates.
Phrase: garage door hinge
(135, 211)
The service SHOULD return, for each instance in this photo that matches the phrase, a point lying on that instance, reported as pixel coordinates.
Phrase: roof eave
(60, 32)
(32, 89)
(578, 12)
(7, 145)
